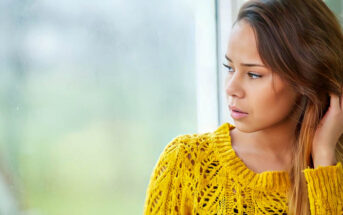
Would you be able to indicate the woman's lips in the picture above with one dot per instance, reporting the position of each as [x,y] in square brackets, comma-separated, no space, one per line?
[231,107]
[237,115]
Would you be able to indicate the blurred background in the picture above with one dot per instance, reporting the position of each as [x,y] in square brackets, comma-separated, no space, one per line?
[92,91]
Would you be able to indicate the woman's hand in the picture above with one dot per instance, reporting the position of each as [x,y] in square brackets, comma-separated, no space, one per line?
[327,134]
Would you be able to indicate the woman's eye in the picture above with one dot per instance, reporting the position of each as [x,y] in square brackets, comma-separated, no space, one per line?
[254,76]
[251,75]
[227,66]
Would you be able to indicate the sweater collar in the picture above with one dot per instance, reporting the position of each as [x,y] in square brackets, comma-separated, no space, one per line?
[278,180]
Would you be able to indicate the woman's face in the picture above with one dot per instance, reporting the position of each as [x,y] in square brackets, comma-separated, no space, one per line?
[250,88]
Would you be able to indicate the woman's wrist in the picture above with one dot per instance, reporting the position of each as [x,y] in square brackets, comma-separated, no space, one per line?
[324,158]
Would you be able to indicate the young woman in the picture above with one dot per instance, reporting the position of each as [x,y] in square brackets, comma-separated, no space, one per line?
[285,92]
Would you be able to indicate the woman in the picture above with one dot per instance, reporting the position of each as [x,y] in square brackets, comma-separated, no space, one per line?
[285,92]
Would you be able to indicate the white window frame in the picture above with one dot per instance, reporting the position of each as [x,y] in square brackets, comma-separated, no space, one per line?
[213,21]
[206,65]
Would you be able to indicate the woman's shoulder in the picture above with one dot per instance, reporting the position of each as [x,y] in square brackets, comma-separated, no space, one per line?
[194,147]
[194,141]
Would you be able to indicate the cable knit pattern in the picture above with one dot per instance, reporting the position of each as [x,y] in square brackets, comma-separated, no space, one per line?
[201,174]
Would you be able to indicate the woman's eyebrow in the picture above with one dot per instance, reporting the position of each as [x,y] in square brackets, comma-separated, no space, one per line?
[245,64]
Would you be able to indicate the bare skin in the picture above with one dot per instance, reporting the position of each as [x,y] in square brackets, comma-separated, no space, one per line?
[256,160]
[264,138]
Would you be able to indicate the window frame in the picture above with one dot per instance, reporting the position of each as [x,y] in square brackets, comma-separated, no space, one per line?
[213,21]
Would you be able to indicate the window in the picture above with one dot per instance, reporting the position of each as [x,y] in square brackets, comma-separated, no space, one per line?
[91,93]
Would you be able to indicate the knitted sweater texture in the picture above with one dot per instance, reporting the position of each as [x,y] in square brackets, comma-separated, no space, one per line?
[202,174]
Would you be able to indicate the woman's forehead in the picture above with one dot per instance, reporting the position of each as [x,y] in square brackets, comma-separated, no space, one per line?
[242,44]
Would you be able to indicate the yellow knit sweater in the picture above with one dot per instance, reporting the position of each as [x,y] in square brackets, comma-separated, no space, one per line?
[201,174]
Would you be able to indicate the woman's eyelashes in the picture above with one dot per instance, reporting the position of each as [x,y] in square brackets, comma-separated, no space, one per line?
[251,75]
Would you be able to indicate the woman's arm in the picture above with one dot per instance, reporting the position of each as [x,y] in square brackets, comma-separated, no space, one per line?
[325,189]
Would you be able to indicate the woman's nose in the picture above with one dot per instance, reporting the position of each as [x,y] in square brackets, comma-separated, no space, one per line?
[233,85]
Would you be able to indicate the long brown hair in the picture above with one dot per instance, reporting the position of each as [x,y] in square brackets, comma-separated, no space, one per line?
[302,42]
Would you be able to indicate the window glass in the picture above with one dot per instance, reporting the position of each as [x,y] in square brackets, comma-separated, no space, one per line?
[91,92]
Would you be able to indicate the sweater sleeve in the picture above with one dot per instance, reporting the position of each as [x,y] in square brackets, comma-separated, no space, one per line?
[167,191]
[325,189]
